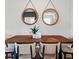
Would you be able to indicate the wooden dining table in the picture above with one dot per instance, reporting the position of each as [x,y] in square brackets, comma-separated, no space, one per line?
[25,39]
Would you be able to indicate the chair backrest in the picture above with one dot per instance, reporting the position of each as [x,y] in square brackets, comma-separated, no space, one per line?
[50,49]
[66,48]
[9,48]
[27,49]
[12,48]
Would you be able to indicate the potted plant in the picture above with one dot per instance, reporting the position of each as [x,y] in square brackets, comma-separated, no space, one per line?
[34,31]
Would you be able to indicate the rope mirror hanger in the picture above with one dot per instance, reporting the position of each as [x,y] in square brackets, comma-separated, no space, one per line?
[29,15]
[50,16]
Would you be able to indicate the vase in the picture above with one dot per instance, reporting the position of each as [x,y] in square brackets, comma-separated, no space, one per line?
[37,35]
[34,36]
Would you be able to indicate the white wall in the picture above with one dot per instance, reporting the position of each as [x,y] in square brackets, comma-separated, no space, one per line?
[15,26]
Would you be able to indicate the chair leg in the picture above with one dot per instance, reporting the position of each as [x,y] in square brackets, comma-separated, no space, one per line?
[12,55]
[60,52]
[64,55]
[43,51]
[56,53]
[31,52]
[17,52]
[72,56]
[6,56]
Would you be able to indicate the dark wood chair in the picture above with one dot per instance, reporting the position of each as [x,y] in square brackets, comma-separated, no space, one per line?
[28,54]
[9,53]
[53,53]
[67,52]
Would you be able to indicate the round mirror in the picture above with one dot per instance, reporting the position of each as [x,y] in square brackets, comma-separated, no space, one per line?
[50,16]
[29,16]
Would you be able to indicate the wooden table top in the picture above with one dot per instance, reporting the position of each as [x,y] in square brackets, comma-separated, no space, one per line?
[24,39]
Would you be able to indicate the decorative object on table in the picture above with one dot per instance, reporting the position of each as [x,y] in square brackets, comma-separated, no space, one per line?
[30,15]
[35,32]
[50,15]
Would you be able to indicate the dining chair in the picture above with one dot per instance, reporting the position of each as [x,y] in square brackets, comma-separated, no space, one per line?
[51,51]
[27,51]
[11,51]
[8,50]
[67,51]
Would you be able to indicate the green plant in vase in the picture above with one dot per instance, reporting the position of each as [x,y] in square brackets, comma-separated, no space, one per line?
[34,31]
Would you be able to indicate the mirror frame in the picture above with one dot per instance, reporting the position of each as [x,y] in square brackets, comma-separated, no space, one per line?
[36,18]
[56,19]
